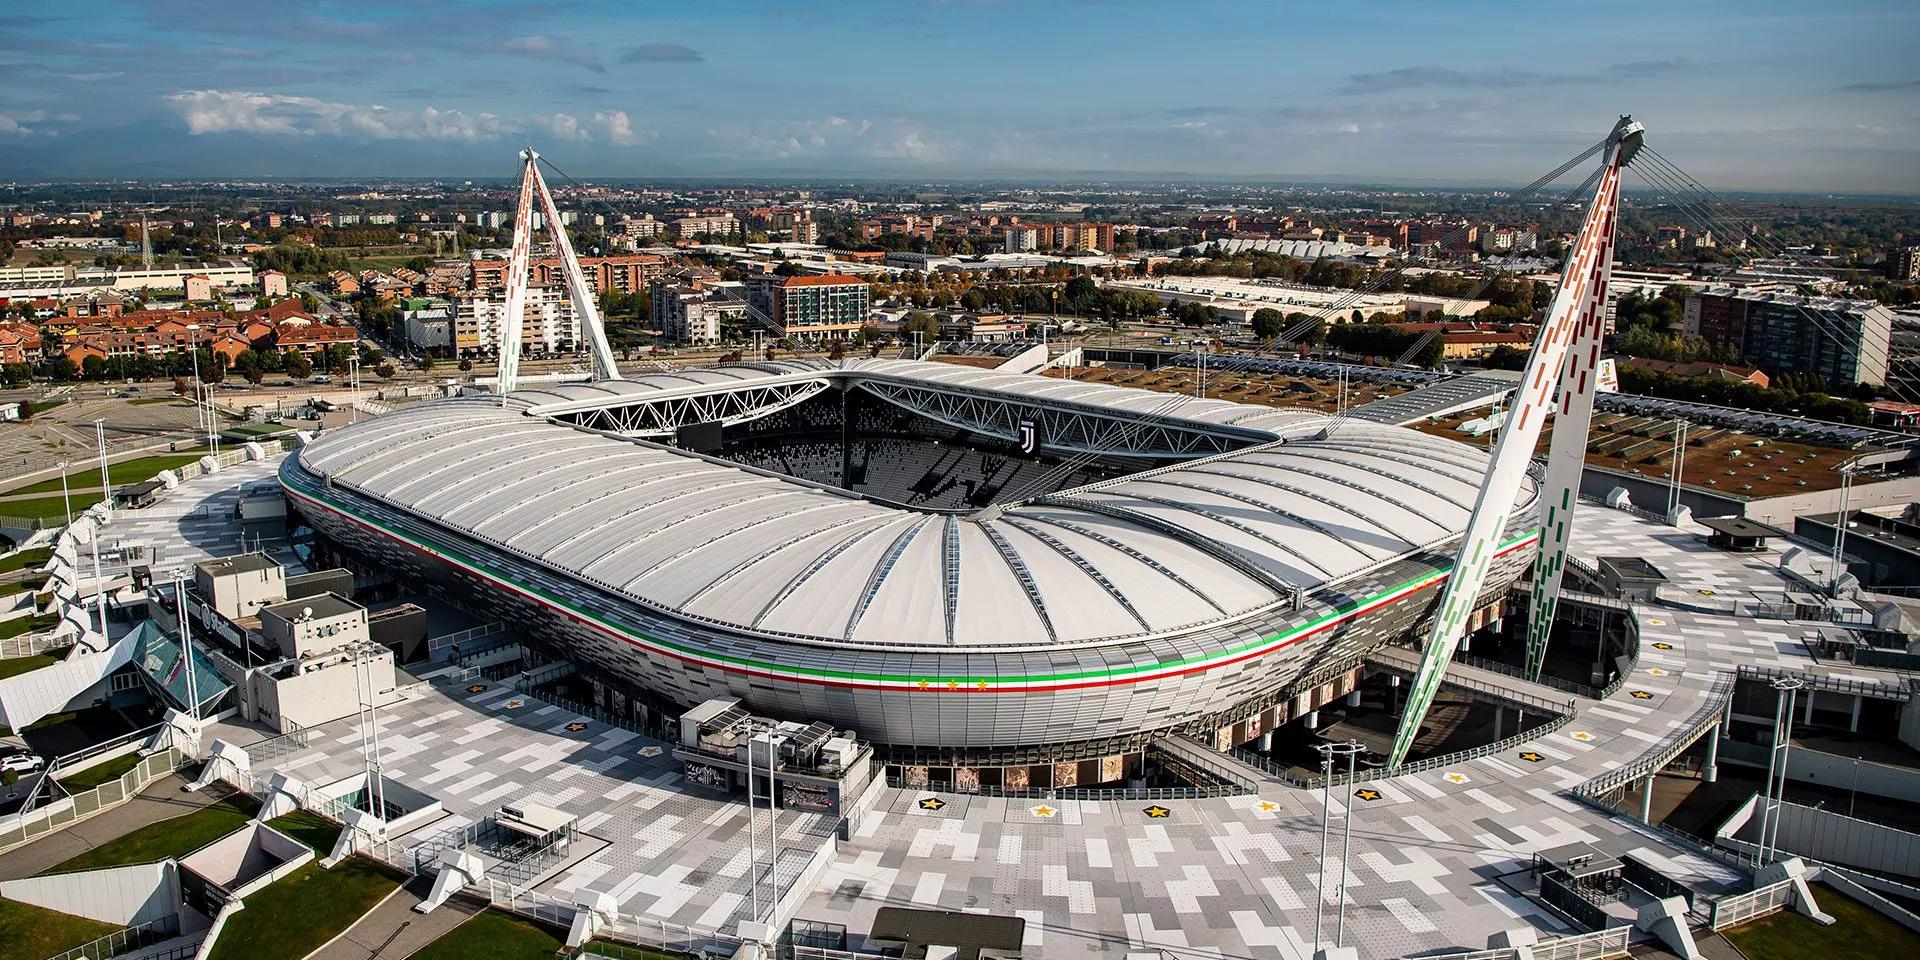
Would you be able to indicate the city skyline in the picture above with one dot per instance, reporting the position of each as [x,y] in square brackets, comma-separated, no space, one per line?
[948,90]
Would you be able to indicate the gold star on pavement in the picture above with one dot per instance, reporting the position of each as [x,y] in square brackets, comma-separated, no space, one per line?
[1662,645]
[1656,621]
[1367,794]
[577,726]
[932,803]
[1582,736]
[1452,777]
[1268,806]
[1656,671]
[515,704]
[650,751]
[1042,811]
[1531,757]
[1157,812]
[477,688]
[1641,695]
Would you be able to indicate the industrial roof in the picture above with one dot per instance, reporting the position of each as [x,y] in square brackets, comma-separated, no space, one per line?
[1160,552]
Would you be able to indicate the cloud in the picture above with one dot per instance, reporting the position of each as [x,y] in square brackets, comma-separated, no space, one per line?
[21,124]
[540,47]
[563,127]
[1887,86]
[661,53]
[620,130]
[239,111]
[1428,76]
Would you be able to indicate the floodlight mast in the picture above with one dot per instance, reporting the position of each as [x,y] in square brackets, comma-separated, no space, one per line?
[1572,326]
[586,310]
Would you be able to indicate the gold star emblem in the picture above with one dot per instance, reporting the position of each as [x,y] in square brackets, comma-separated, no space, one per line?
[1641,695]
[983,685]
[1706,593]
[1656,671]
[1582,736]
[1656,621]
[1662,645]
[1157,812]
[932,803]
[477,688]
[577,726]
[1367,794]
[923,685]
[1043,811]
[1268,806]
[515,704]
[650,751]
[1452,777]
[953,684]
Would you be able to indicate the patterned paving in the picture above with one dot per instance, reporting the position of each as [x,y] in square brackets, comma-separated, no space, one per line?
[1224,877]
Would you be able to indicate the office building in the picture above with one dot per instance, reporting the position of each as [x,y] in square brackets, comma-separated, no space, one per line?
[689,314]
[829,305]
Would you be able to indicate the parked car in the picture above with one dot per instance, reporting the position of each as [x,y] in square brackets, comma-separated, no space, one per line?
[323,378]
[22,763]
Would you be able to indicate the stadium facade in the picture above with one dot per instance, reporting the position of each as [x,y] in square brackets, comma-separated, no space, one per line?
[998,579]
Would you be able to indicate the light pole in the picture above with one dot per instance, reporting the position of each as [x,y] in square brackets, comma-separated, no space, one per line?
[1350,750]
[100,443]
[1785,693]
[193,355]
[64,494]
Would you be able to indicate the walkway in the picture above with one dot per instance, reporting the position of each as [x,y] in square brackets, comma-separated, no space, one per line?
[1514,690]
[1440,398]
[163,799]
[392,929]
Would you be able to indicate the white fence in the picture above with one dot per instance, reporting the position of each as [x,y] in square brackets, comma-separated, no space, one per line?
[47,819]
[1598,945]
[1739,908]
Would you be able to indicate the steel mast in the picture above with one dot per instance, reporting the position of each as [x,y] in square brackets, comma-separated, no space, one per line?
[1572,326]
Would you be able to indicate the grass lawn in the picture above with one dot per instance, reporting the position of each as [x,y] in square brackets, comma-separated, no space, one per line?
[294,915]
[176,837]
[100,773]
[15,666]
[309,828]
[258,430]
[28,932]
[149,401]
[124,472]
[48,508]
[23,625]
[621,951]
[25,559]
[492,935]
[1858,932]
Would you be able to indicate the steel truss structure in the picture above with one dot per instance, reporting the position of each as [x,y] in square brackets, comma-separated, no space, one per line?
[1061,430]
[1579,304]
[662,417]
[586,309]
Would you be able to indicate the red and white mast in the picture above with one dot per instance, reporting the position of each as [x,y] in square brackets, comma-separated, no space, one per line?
[586,309]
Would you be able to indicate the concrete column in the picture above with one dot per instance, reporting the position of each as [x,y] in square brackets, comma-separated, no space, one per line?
[1806,714]
[1853,722]
[1710,771]
[1393,680]
[1466,643]
[1499,720]
[1353,700]
[1646,799]
[1311,718]
[1266,741]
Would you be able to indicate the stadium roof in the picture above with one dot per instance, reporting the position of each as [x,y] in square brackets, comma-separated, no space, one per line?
[1160,552]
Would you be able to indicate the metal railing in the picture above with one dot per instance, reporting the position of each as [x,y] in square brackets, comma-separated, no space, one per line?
[1078,793]
[1676,742]
[465,636]
[1827,682]
[1739,908]
[294,740]
[1495,666]
[128,939]
[79,806]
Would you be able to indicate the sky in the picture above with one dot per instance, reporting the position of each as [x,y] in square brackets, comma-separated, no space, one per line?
[1753,94]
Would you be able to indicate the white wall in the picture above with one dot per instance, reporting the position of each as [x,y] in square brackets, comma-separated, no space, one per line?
[119,895]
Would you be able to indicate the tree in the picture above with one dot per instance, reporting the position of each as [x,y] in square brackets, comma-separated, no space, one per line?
[1268,323]
[297,365]
[466,364]
[94,368]
[384,371]
[920,322]
[426,362]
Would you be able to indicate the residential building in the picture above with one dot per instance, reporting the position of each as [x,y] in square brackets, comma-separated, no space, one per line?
[621,273]
[343,283]
[1700,368]
[197,287]
[689,228]
[1903,263]
[825,306]
[1022,238]
[547,325]
[1845,341]
[688,314]
[20,343]
[273,283]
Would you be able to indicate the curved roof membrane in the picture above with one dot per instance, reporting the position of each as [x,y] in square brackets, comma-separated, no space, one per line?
[1164,551]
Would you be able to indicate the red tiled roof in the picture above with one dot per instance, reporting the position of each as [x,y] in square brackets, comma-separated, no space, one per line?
[821,280]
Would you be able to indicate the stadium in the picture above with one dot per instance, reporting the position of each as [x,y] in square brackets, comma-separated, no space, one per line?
[998,579]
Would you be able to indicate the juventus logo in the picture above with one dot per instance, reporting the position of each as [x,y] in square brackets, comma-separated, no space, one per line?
[1029,437]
